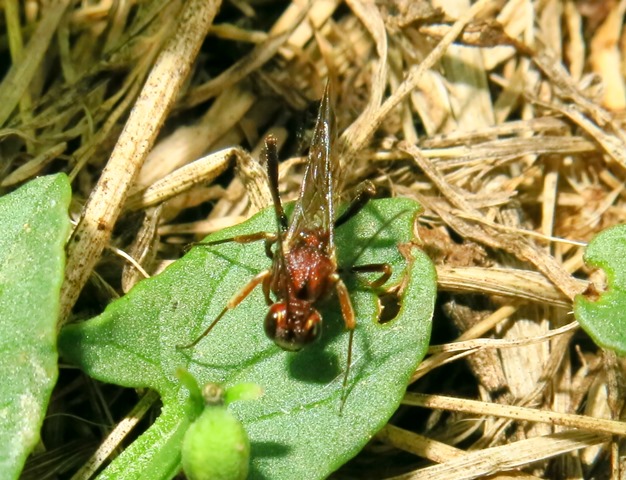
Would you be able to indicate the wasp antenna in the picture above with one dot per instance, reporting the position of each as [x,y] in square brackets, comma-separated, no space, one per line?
[271,155]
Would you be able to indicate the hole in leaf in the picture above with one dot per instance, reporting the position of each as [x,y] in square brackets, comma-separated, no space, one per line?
[388,306]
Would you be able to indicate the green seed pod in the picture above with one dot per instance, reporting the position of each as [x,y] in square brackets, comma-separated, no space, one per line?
[216,447]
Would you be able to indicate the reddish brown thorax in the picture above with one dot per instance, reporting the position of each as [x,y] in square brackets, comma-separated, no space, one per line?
[310,266]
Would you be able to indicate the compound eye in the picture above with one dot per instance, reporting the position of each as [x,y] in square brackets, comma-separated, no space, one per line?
[313,328]
[307,331]
[275,320]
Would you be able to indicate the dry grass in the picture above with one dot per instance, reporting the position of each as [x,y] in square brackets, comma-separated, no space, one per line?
[502,119]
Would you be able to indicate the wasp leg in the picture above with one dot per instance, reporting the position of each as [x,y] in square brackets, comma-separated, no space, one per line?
[383,268]
[347,311]
[232,303]
[269,238]
[366,193]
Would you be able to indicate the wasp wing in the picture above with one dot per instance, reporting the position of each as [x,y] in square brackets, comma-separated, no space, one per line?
[315,208]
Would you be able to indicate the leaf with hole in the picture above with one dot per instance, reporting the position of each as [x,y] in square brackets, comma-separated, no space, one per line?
[604,318]
[295,429]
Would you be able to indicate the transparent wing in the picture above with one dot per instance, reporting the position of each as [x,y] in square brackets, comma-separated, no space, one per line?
[315,208]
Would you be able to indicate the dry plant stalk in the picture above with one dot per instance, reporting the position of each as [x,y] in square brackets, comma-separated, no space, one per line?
[107,199]
[490,114]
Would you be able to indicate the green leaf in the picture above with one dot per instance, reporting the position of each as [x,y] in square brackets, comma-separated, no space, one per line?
[604,318]
[156,454]
[296,429]
[34,227]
